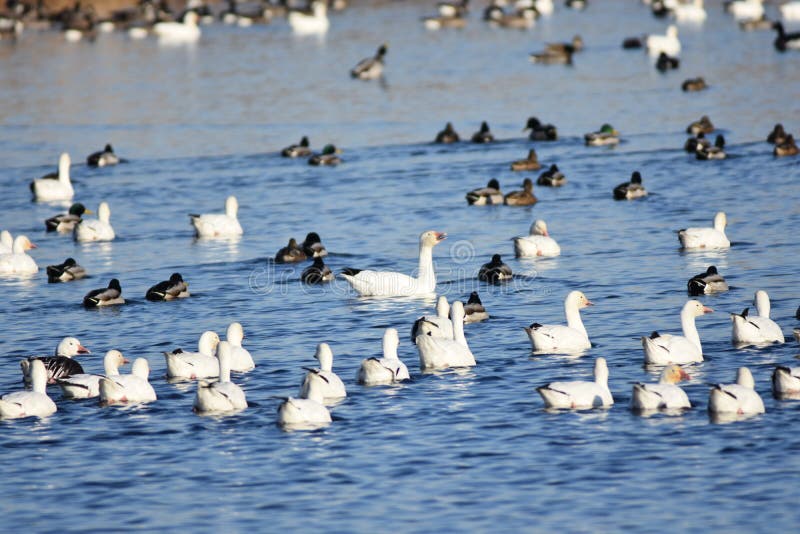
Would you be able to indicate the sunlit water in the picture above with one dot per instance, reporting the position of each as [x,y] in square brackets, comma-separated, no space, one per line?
[467,450]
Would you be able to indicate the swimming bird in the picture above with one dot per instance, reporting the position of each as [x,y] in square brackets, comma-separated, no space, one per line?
[662,349]
[483,196]
[703,125]
[222,395]
[530,163]
[386,370]
[483,135]
[33,403]
[665,395]
[665,62]
[749,25]
[668,43]
[175,32]
[174,288]
[790,11]
[65,222]
[309,412]
[103,158]
[691,11]
[787,148]
[607,135]
[575,45]
[107,296]
[699,142]
[739,398]
[438,325]
[552,177]
[99,229]
[560,339]
[317,273]
[539,131]
[372,67]
[311,21]
[87,386]
[709,238]
[61,364]
[521,198]
[778,135]
[440,353]
[241,359]
[200,364]
[756,329]
[218,224]
[694,84]
[17,261]
[300,150]
[448,135]
[521,19]
[707,283]
[65,272]
[54,186]
[786,382]
[495,271]
[332,386]
[126,389]
[537,243]
[313,247]
[6,242]
[579,394]
[328,157]
[474,311]
[439,22]
[716,151]
[746,9]
[552,57]
[632,189]
[631,43]
[453,9]
[291,253]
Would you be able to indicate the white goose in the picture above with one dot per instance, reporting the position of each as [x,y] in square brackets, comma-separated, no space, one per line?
[668,43]
[331,385]
[786,382]
[87,386]
[218,224]
[438,325]
[308,412]
[200,364]
[17,261]
[692,238]
[386,370]
[693,11]
[579,394]
[663,349]
[6,242]
[132,388]
[538,243]
[315,21]
[178,32]
[99,229]
[241,360]
[666,395]
[790,11]
[756,329]
[740,398]
[222,395]
[34,403]
[390,284]
[440,353]
[559,339]
[54,187]
[746,9]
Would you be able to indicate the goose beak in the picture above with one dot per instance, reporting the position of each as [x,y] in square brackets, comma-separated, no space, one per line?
[440,236]
[546,233]
[589,302]
[83,350]
[32,245]
[684,375]
[706,309]
[125,360]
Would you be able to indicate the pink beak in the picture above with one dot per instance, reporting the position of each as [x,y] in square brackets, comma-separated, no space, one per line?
[83,350]
[589,302]
[33,245]
[125,360]
[441,236]
[685,375]
[707,309]
[546,233]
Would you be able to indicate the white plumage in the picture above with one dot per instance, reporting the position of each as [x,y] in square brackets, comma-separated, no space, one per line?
[222,395]
[309,412]
[665,395]
[87,386]
[538,243]
[33,403]
[132,388]
[386,370]
[99,229]
[54,188]
[241,360]
[559,339]
[310,23]
[668,43]
[740,398]
[663,349]
[440,353]
[330,384]
[178,32]
[710,238]
[756,329]
[219,224]
[786,382]
[200,364]
[17,261]
[438,325]
[579,394]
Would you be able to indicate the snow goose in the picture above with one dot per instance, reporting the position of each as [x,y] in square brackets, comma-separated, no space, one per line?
[65,222]
[103,157]
[221,395]
[483,135]
[756,329]
[174,288]
[65,272]
[6,242]
[495,271]
[87,386]
[313,21]
[474,311]
[291,253]
[303,413]
[632,189]
[59,365]
[539,131]
[218,224]
[790,11]
[241,360]
[740,398]
[521,198]
[438,325]
[440,353]
[317,273]
[692,11]
[665,395]
[54,186]
[200,364]
[746,9]
[99,229]
[538,243]
[178,32]
[300,150]
[662,349]
[132,388]
[372,67]
[786,382]
[579,395]
[391,284]
[448,135]
[707,283]
[530,163]
[17,261]
[313,247]
[668,43]
[560,339]
[331,385]
[34,403]
[486,195]
[386,370]
[606,135]
[712,238]
[105,296]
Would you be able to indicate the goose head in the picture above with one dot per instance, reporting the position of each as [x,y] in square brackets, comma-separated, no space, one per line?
[672,374]
[694,308]
[577,300]
[391,340]
[431,238]
[235,334]
[38,376]
[539,227]
[761,302]
[442,307]
[112,362]
[69,347]
[104,212]
[21,244]
[208,343]
[63,167]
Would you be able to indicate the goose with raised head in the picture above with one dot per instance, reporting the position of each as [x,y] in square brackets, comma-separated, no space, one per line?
[221,395]
[33,403]
[438,325]
[538,243]
[105,296]
[311,21]
[663,349]
[126,389]
[440,353]
[176,32]
[709,238]
[191,365]
[386,370]
[6,242]
[241,359]
[65,272]
[579,394]
[332,386]
[484,196]
[17,261]
[87,386]
[740,398]
[665,395]
[54,186]
[61,364]
[99,229]
[692,11]
[65,222]
[744,10]
[707,283]
[560,339]
[756,329]
[218,224]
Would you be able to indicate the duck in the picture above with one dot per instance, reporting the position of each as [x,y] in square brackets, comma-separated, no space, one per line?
[665,395]
[552,177]
[746,9]
[474,311]
[308,412]
[386,370]
[192,365]
[328,157]
[77,24]
[99,229]
[663,349]
[103,157]
[17,261]
[453,9]
[537,244]
[668,43]
[539,131]
[521,19]
[332,387]
[560,339]
[33,403]
[483,135]
[370,68]
[703,125]
[126,389]
[692,11]
[300,150]
[495,271]
[106,296]
[530,163]
[313,247]
[579,394]
[758,328]
[439,22]
[368,283]
[552,57]
[707,283]
[218,224]
[241,359]
[778,135]
[665,62]
[740,398]
[716,151]
[291,253]
[699,142]
[762,23]
[54,186]
[441,353]
[87,386]
[787,148]
[575,45]
[174,288]
[607,135]
[632,189]
[6,242]
[448,135]
[575,4]
[691,85]
[786,382]
[438,325]
[222,395]
[175,32]
[521,198]
[65,272]
[708,238]
[632,43]
[65,222]
[317,273]
[485,196]
[61,364]
[311,21]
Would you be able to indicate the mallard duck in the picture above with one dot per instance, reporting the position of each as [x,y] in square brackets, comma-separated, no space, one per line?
[103,158]
[495,271]
[521,198]
[106,296]
[665,62]
[539,131]
[632,43]
[552,177]
[607,135]
[576,45]
[787,148]
[300,150]
[313,247]
[448,135]
[784,40]
[328,156]
[694,84]
[291,253]
[712,152]
[694,143]
[761,23]
[65,272]
[372,67]
[436,23]
[483,135]
[474,311]
[486,195]
[552,57]
[317,273]
[521,19]
[777,135]
[706,283]
[632,189]
[174,288]
[531,163]
[703,125]
[65,222]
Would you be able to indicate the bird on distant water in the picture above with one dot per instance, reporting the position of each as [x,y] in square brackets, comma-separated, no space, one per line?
[785,41]
[495,271]
[106,296]
[552,177]
[372,67]
[300,150]
[539,131]
[65,272]
[632,189]
[706,283]
[174,288]
[483,196]
[521,198]
[484,135]
[103,157]
[448,135]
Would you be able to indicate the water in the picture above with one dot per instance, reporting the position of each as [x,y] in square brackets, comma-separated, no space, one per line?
[466,450]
